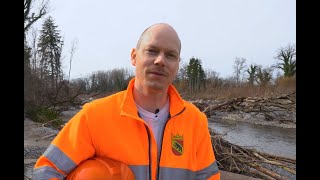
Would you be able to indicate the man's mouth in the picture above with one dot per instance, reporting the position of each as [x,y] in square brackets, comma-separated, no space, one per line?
[158,73]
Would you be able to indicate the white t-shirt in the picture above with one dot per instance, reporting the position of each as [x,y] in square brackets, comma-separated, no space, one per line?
[156,122]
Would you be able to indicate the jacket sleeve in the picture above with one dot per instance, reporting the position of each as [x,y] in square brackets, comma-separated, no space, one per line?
[72,145]
[206,161]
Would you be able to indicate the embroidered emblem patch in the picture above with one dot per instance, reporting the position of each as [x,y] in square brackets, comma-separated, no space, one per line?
[177,144]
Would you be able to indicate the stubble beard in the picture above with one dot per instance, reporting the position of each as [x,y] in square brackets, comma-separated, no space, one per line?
[156,85]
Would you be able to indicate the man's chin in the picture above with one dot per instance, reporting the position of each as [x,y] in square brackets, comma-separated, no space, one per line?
[157,86]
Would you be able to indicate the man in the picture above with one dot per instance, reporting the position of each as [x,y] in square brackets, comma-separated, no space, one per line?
[149,127]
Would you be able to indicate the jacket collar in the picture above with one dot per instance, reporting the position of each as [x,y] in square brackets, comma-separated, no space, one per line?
[128,105]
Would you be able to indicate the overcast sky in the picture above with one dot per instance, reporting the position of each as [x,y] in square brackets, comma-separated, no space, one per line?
[215,31]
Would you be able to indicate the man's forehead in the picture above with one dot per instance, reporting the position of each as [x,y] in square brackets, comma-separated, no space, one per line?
[161,38]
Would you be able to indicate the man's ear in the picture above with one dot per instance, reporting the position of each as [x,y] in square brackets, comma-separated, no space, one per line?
[133,56]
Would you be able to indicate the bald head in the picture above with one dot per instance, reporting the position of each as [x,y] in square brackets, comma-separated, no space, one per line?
[159,27]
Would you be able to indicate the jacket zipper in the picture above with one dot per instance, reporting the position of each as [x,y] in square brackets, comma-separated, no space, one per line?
[164,129]
[148,132]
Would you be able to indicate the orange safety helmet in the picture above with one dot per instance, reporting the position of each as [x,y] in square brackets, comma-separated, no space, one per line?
[100,168]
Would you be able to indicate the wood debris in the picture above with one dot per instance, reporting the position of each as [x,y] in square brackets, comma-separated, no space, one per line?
[246,161]
[279,108]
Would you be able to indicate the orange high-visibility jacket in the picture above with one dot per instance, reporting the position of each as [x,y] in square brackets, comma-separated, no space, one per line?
[111,127]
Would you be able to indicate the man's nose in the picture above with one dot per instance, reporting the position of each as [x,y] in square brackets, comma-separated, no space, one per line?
[160,60]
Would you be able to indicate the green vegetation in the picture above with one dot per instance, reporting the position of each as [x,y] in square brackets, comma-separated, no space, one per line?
[46,116]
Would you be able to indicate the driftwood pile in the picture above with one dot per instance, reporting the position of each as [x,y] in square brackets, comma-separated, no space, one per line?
[236,159]
[247,161]
[279,108]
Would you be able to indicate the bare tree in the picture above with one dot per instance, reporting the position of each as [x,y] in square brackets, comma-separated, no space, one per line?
[32,17]
[80,83]
[181,80]
[182,73]
[239,67]
[119,78]
[34,46]
[73,48]
[287,60]
[213,79]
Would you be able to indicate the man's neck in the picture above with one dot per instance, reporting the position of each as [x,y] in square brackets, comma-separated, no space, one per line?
[150,101]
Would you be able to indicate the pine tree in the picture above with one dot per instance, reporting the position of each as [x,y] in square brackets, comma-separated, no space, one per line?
[252,72]
[196,75]
[264,75]
[50,48]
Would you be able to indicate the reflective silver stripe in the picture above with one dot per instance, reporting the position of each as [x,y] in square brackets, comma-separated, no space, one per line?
[45,173]
[176,173]
[57,157]
[208,171]
[185,174]
[140,172]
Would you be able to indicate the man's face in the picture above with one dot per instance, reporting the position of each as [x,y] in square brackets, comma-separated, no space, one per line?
[157,59]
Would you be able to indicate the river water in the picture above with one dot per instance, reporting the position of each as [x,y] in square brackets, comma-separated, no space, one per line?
[267,139]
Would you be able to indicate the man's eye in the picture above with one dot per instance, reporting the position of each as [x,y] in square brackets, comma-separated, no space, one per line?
[151,51]
[171,55]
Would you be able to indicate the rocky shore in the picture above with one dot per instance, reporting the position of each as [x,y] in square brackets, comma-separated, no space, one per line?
[36,140]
